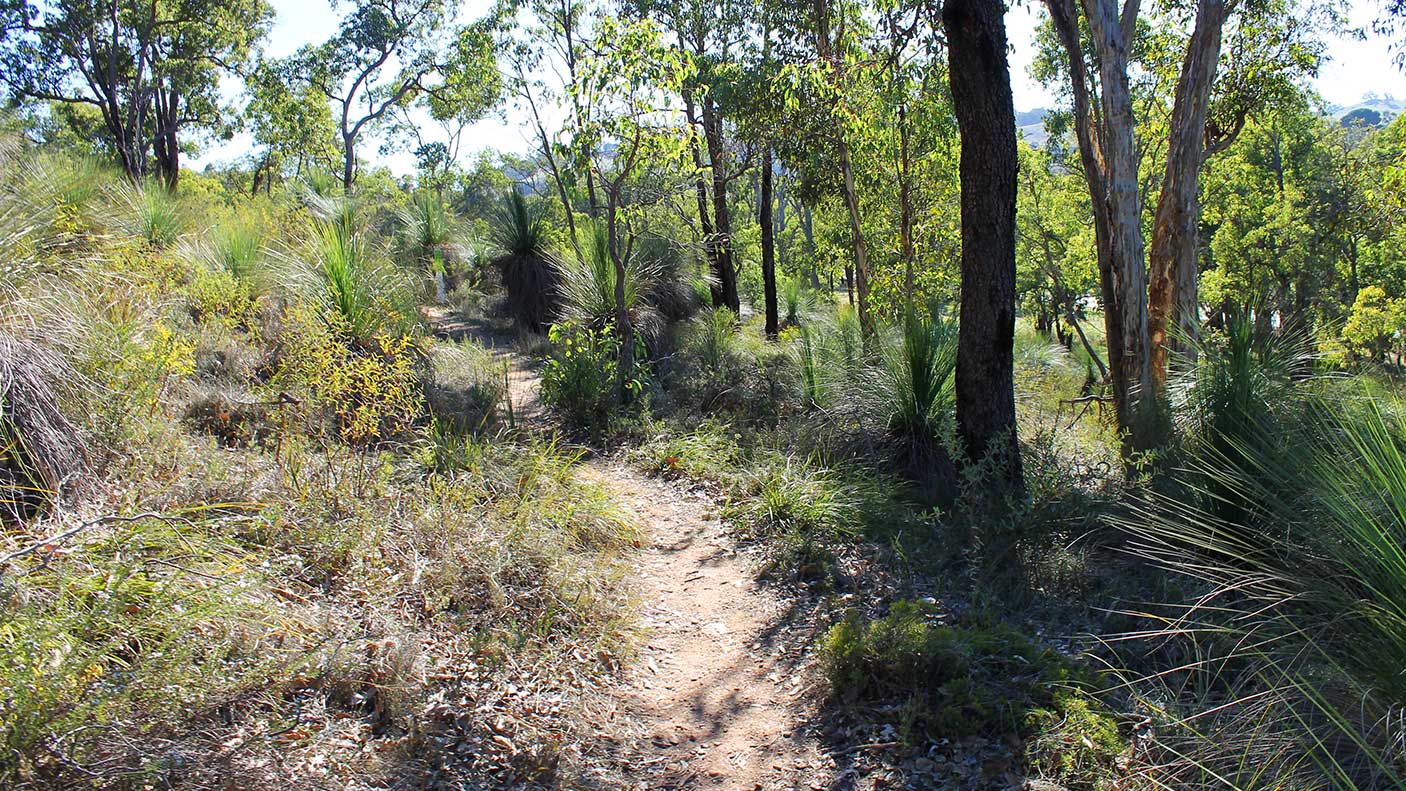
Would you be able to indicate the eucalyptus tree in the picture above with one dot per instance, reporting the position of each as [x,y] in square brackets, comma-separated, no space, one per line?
[151,69]
[715,36]
[385,53]
[981,96]
[463,88]
[1271,43]
[290,121]
[633,130]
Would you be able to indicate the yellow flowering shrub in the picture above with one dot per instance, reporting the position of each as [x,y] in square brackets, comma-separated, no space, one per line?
[367,392]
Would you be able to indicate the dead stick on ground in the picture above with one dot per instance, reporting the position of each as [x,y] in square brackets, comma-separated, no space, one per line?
[67,534]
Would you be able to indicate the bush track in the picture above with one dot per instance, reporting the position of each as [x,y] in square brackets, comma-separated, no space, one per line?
[719,695]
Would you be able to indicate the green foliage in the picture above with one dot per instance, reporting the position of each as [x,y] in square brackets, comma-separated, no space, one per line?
[357,291]
[796,497]
[960,681]
[134,628]
[588,285]
[466,386]
[1375,326]
[364,393]
[153,214]
[580,380]
[238,247]
[1297,548]
[796,300]
[917,390]
[1241,394]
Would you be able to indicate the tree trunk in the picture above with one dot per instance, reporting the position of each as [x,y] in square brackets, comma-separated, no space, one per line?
[808,228]
[981,97]
[624,329]
[861,256]
[165,144]
[773,323]
[348,161]
[722,218]
[705,222]
[1109,158]
[1171,297]
[905,201]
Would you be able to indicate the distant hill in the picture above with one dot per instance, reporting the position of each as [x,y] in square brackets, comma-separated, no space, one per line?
[1373,110]
[1031,125]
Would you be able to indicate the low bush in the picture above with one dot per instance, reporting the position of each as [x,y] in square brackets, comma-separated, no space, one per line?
[580,379]
[466,385]
[362,394]
[961,681]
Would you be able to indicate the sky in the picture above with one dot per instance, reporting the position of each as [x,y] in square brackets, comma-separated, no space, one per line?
[1354,66]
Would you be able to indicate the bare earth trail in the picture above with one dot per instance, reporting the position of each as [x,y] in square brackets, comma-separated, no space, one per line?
[719,696]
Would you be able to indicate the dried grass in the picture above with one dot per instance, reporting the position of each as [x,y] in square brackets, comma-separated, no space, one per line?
[43,455]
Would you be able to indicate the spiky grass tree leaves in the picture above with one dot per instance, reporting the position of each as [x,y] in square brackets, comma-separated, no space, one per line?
[531,273]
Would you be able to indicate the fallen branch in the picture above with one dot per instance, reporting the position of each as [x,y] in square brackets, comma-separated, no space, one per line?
[67,534]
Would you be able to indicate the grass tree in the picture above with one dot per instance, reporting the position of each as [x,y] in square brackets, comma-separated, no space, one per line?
[630,132]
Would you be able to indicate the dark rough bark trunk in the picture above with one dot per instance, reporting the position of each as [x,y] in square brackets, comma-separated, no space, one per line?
[773,323]
[1171,299]
[981,97]
[166,146]
[348,162]
[722,215]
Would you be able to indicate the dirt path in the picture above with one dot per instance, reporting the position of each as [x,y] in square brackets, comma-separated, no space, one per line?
[718,698]
[524,380]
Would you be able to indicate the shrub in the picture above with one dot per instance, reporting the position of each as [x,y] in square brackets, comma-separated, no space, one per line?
[427,238]
[588,286]
[1296,552]
[42,453]
[365,392]
[152,213]
[796,497]
[580,379]
[356,290]
[797,301]
[237,247]
[916,388]
[959,681]
[466,385]
[235,418]
[216,294]
[114,643]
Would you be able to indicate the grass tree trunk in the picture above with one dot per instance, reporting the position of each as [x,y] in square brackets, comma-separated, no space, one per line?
[1171,299]
[773,322]
[981,97]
